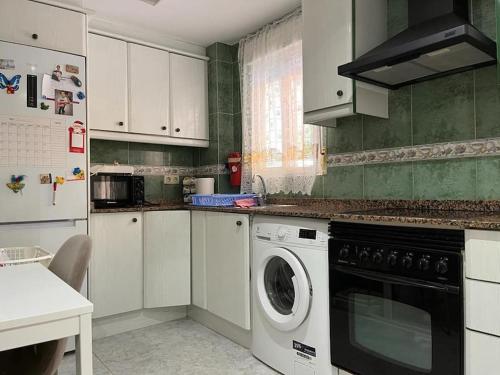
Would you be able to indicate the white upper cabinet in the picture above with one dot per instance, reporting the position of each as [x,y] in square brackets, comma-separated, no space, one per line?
[148,90]
[188,98]
[107,87]
[139,93]
[40,25]
[330,39]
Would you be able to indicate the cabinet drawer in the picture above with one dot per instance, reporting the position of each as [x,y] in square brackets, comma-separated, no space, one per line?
[481,354]
[482,301]
[55,28]
[482,255]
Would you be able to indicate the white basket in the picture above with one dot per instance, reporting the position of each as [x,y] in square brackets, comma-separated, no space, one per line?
[14,256]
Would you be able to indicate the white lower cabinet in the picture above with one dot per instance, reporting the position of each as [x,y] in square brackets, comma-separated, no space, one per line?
[139,260]
[198,262]
[482,302]
[167,259]
[116,276]
[221,265]
[482,353]
[479,295]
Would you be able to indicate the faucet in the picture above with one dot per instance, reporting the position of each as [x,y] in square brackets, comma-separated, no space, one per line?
[263,197]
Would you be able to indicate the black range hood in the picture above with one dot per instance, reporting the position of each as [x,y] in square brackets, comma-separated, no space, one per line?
[439,41]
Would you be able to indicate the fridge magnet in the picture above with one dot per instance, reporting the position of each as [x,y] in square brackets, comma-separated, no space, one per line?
[59,181]
[16,184]
[57,74]
[49,87]
[31,91]
[64,103]
[72,69]
[77,137]
[77,174]
[76,81]
[7,64]
[45,178]
[11,85]
[44,106]
[80,95]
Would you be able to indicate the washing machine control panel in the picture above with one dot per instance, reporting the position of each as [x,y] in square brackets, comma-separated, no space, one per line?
[291,234]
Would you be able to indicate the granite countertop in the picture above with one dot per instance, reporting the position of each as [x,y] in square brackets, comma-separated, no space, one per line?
[154,207]
[458,219]
[446,214]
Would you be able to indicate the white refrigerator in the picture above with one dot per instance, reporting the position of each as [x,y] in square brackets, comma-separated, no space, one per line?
[43,140]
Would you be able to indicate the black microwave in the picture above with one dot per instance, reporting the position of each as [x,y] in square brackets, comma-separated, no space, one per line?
[116,190]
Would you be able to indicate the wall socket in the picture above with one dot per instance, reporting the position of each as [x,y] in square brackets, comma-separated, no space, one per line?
[171,179]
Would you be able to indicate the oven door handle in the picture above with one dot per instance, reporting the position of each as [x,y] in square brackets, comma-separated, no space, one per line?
[398,280]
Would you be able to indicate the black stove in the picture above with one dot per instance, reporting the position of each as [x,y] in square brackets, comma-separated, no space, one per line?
[396,299]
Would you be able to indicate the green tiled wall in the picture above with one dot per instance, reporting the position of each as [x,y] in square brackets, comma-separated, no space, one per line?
[108,152]
[458,107]
[224,111]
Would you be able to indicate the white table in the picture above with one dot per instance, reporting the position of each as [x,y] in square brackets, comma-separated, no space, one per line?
[36,306]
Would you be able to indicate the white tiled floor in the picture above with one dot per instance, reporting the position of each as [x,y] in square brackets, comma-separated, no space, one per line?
[177,348]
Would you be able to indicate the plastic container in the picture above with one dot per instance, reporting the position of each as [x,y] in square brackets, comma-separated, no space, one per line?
[205,186]
[13,256]
[219,200]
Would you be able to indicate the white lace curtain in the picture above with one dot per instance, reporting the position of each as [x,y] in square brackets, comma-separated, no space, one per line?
[276,143]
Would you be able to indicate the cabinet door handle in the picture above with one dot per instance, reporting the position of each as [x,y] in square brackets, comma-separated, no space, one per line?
[134,220]
[163,128]
[177,130]
[34,36]
[239,223]
[121,123]
[340,93]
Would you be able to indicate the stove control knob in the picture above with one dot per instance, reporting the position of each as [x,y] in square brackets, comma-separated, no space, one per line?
[392,259]
[407,261]
[344,252]
[281,234]
[377,258]
[364,255]
[423,264]
[442,266]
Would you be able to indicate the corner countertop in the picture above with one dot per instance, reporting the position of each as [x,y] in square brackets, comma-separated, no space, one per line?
[446,214]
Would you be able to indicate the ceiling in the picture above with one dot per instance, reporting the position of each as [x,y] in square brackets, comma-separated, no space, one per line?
[201,22]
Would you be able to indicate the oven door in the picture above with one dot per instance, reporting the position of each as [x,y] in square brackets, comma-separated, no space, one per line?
[387,325]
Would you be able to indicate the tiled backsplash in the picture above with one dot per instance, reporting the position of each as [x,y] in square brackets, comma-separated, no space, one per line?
[224,111]
[108,152]
[459,107]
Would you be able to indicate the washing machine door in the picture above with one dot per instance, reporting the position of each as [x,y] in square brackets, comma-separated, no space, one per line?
[283,289]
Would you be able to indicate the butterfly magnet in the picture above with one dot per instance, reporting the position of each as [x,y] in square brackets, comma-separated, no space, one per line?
[11,85]
[16,183]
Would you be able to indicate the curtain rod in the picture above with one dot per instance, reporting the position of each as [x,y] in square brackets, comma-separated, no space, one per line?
[285,18]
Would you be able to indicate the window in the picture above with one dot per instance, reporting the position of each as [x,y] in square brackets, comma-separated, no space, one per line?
[276,143]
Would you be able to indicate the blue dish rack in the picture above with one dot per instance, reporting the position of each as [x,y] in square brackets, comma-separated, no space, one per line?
[219,200]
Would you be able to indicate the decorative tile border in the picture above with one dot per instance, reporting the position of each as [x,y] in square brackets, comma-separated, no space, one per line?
[211,169]
[437,151]
[152,170]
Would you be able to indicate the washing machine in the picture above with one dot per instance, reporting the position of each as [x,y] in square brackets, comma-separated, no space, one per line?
[290,300]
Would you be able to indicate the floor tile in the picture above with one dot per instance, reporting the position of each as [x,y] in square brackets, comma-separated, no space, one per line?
[179,347]
[68,366]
